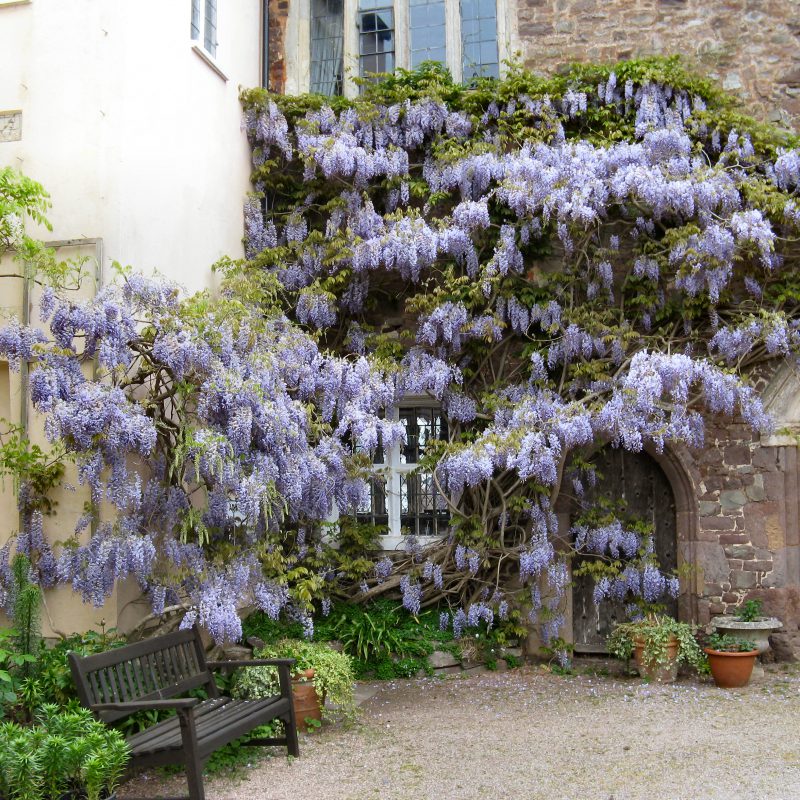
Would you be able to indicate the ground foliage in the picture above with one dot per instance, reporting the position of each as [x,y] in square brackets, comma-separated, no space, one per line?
[597,258]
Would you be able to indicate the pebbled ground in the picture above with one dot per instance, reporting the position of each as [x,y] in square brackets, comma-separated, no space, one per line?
[533,735]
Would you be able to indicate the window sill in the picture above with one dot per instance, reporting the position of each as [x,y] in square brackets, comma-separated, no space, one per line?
[205,56]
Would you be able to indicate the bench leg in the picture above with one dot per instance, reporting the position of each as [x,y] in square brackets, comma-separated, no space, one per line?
[194,777]
[292,745]
[194,764]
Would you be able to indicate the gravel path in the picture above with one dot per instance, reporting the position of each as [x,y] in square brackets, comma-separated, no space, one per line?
[532,735]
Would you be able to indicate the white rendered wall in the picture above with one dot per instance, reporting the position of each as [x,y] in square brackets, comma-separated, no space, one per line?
[135,136]
[138,140]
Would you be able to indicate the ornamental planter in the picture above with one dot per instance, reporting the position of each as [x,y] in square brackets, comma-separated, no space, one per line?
[306,701]
[654,671]
[757,631]
[731,670]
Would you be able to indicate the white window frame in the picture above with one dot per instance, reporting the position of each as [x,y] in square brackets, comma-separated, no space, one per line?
[392,469]
[199,36]
[298,41]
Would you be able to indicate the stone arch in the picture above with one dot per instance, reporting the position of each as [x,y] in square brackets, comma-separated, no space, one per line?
[678,466]
[678,470]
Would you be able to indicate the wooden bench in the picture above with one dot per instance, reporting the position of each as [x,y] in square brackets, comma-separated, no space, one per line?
[153,674]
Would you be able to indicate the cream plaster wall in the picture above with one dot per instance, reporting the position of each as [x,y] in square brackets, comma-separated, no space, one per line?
[135,136]
[138,140]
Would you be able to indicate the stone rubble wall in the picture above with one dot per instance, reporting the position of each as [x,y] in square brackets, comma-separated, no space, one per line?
[747,539]
[751,47]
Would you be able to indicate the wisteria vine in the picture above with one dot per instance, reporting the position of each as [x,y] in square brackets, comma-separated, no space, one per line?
[600,259]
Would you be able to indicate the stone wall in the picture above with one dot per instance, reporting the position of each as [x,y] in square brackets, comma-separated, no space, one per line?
[750,46]
[747,533]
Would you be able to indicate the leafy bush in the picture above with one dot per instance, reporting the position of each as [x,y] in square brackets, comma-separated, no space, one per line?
[67,753]
[750,611]
[333,671]
[656,631]
[48,679]
[725,643]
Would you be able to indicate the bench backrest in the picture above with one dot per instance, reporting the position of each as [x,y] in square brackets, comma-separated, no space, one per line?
[158,668]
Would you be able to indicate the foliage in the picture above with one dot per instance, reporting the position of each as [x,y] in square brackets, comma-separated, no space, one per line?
[333,671]
[750,611]
[12,663]
[725,643]
[67,753]
[21,198]
[599,258]
[26,598]
[48,680]
[657,632]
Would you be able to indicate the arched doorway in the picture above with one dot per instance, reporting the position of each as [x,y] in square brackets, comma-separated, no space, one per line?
[638,481]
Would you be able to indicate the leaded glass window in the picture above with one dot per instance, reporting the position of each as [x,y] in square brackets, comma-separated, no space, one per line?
[376,37]
[204,24]
[479,56]
[401,496]
[327,40]
[428,32]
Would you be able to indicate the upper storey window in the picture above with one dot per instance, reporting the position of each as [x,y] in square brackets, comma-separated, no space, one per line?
[204,24]
[327,46]
[376,37]
[358,38]
[426,22]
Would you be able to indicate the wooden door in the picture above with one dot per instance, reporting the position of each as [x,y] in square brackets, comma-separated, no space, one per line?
[636,479]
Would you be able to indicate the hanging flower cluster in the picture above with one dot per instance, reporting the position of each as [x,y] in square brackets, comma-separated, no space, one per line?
[597,259]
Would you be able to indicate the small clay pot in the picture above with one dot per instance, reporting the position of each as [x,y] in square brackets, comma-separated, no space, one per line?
[660,673]
[731,670]
[306,701]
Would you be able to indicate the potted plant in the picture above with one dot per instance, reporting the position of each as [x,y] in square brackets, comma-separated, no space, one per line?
[730,660]
[749,624]
[323,680]
[659,644]
[69,755]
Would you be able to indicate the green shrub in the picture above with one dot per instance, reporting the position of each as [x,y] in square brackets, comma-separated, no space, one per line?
[66,753]
[333,672]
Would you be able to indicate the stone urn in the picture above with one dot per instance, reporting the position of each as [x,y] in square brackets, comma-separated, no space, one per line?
[757,631]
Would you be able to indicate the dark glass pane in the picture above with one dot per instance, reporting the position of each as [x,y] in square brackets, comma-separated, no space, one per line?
[421,425]
[373,509]
[369,44]
[418,511]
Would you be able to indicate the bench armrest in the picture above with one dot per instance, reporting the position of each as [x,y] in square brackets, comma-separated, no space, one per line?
[252,662]
[147,705]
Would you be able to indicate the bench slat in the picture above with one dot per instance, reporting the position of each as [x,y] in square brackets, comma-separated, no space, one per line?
[213,717]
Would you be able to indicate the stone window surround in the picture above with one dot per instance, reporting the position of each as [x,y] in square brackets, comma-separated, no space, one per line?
[298,41]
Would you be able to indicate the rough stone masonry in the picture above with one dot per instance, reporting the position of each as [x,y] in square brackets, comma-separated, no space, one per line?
[752,47]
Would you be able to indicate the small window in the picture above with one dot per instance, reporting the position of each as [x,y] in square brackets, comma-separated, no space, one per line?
[479,39]
[204,24]
[376,37]
[428,36]
[327,40]
[401,496]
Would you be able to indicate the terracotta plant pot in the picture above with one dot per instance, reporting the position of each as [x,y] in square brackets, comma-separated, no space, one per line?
[731,670]
[660,673]
[306,701]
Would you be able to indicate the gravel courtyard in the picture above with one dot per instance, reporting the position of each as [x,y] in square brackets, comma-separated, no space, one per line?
[530,734]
